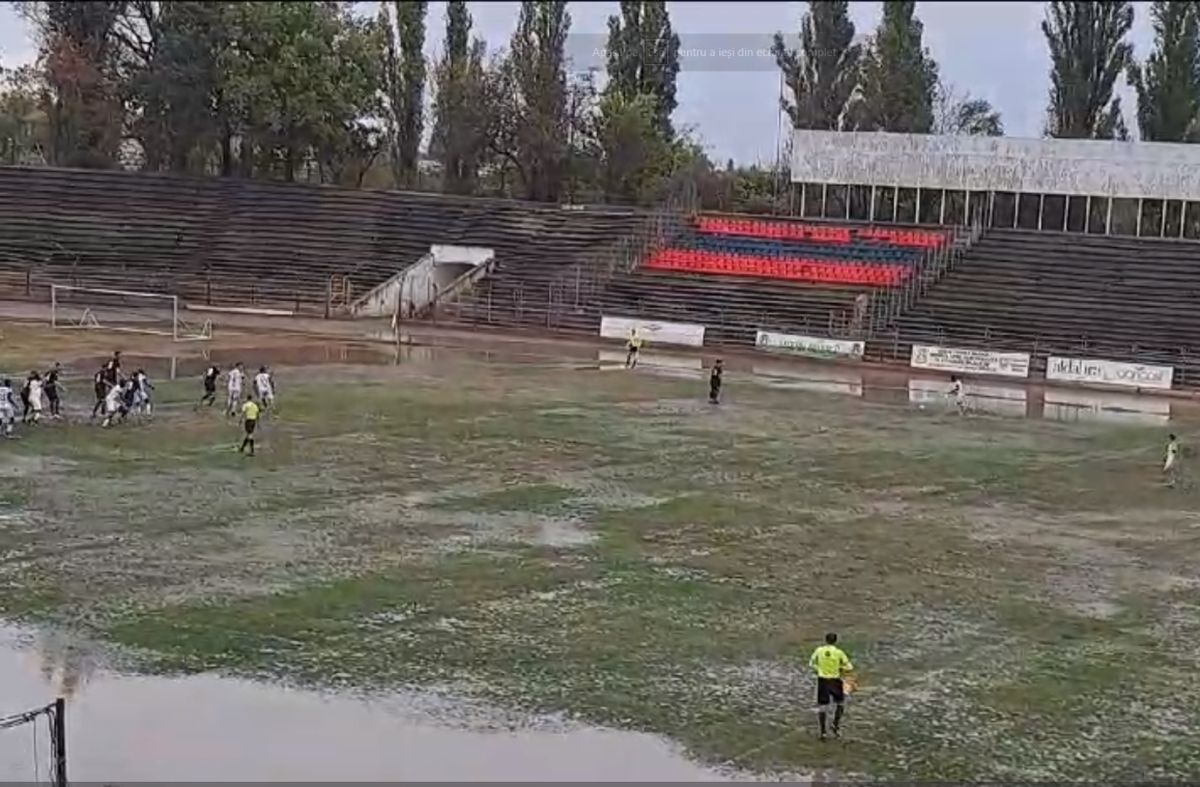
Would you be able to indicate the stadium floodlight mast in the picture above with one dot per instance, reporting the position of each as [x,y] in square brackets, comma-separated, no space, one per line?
[131,311]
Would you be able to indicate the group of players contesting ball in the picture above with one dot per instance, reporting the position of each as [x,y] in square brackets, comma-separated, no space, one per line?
[118,397]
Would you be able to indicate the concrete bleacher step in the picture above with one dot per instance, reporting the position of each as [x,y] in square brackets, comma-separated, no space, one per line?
[231,241]
[1040,291]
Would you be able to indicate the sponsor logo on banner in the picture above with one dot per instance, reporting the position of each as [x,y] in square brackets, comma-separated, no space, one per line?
[653,331]
[959,359]
[1095,370]
[810,346]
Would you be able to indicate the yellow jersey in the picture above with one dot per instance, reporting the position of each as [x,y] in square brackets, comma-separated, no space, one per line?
[830,661]
[250,411]
[635,342]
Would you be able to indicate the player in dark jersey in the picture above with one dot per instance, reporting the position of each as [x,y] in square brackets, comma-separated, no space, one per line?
[714,382]
[54,389]
[210,386]
[112,369]
[100,387]
[25,408]
[128,397]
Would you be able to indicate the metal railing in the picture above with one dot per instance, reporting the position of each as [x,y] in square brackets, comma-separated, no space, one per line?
[895,346]
[888,303]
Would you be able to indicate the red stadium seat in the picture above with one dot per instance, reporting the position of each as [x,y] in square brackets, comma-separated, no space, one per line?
[795,269]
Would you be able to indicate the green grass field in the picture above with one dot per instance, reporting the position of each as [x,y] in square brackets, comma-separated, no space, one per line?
[1020,597]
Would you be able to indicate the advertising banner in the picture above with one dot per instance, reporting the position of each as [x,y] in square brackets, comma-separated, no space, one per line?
[653,331]
[1100,372]
[959,359]
[808,346]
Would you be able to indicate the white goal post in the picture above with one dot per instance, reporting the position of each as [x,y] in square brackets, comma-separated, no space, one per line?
[122,310]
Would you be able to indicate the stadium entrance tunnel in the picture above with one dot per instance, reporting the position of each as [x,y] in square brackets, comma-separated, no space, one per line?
[439,275]
[123,728]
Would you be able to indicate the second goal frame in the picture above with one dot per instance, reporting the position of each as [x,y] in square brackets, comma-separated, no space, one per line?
[91,311]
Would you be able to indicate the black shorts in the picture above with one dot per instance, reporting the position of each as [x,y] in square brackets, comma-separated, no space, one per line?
[249,425]
[830,690]
[101,391]
[210,388]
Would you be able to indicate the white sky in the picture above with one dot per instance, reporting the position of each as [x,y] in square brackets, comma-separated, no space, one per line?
[993,49]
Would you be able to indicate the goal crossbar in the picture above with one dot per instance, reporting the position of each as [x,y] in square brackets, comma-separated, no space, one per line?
[131,311]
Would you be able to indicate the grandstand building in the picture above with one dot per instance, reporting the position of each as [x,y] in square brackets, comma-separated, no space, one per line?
[1098,187]
[1015,257]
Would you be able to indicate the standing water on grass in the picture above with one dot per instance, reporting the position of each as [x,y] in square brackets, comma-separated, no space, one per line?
[209,728]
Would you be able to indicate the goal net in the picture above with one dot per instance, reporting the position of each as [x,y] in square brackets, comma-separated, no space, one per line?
[122,310]
[47,731]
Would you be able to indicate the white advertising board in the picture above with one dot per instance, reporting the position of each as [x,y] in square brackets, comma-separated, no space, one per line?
[653,331]
[1101,372]
[959,359]
[809,346]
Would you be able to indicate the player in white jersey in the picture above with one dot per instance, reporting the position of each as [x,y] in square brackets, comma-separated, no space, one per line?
[141,393]
[233,384]
[1171,465]
[8,408]
[264,386]
[114,404]
[35,397]
[959,394]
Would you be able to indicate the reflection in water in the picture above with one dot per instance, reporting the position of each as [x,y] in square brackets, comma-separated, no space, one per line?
[1068,404]
[208,728]
[65,665]
[981,398]
[689,367]
[830,379]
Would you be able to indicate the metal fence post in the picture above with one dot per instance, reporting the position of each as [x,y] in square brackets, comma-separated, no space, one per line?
[60,742]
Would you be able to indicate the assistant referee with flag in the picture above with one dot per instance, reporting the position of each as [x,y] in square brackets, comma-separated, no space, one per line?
[831,664]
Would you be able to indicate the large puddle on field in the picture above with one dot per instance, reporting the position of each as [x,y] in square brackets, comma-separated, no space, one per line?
[315,353]
[927,394]
[884,386]
[125,728]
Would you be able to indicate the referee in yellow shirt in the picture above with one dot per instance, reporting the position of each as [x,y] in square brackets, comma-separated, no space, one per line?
[250,413]
[830,663]
[631,349]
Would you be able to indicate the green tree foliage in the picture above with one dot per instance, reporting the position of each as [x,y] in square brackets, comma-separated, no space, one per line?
[643,59]
[537,120]
[1168,86]
[1088,52]
[24,127]
[631,152]
[958,113]
[174,84]
[79,56]
[822,75]
[404,84]
[300,80]
[459,126]
[899,77]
